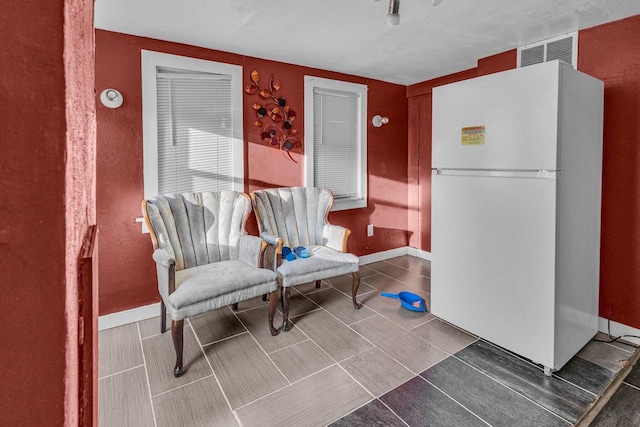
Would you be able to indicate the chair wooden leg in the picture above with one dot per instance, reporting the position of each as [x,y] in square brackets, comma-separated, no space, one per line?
[264,297]
[273,303]
[234,306]
[318,284]
[354,289]
[286,296]
[176,334]
[163,317]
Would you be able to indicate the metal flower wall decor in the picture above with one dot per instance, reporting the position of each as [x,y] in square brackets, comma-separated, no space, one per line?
[281,132]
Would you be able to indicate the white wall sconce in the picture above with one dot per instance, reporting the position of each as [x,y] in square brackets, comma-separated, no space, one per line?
[111,98]
[378,121]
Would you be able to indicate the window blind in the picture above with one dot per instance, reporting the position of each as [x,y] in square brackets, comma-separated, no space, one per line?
[195,131]
[335,142]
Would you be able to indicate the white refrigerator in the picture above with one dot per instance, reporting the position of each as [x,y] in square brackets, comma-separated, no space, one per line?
[516,202]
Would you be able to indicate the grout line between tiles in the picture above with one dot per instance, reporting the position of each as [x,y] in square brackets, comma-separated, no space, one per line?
[401,267]
[350,412]
[411,287]
[357,382]
[573,384]
[517,356]
[409,331]
[394,412]
[157,335]
[314,290]
[146,375]
[387,354]
[285,387]
[422,324]
[365,338]
[264,351]
[289,346]
[348,295]
[451,397]
[354,355]
[266,304]
[631,385]
[607,393]
[514,391]
[124,370]
[316,344]
[235,415]
[181,386]
[380,314]
[322,308]
[619,348]
[221,339]
[305,313]
[417,276]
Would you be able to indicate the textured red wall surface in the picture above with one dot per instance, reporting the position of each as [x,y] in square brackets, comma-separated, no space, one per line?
[32,230]
[127,272]
[611,53]
[82,368]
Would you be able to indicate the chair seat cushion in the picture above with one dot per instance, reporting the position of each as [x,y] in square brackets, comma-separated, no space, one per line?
[210,286]
[323,262]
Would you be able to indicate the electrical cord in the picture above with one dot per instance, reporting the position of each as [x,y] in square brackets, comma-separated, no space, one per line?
[616,339]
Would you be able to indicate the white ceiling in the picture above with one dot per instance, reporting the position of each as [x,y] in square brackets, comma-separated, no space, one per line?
[351,36]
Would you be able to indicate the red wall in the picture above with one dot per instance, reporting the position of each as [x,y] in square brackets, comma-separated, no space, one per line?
[127,272]
[32,235]
[46,176]
[611,53]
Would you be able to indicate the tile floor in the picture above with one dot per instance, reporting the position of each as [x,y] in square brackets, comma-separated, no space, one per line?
[381,365]
[622,407]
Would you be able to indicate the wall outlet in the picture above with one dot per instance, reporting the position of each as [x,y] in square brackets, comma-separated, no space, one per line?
[369,230]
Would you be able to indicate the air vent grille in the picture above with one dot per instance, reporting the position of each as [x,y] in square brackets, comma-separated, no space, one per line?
[533,55]
[563,48]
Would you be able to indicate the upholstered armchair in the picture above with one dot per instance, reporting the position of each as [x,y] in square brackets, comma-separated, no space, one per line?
[204,258]
[293,217]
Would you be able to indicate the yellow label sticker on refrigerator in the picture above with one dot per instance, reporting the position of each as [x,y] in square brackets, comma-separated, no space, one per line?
[473,135]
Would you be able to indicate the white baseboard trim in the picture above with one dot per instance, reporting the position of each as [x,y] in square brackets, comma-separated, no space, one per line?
[120,318]
[381,256]
[618,329]
[137,314]
[419,253]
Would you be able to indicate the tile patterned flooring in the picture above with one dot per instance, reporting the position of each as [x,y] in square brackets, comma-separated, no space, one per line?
[622,407]
[378,366]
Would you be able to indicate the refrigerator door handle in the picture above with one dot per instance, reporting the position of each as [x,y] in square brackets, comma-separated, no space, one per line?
[534,173]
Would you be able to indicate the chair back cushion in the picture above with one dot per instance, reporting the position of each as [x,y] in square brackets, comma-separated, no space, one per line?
[199,228]
[296,214]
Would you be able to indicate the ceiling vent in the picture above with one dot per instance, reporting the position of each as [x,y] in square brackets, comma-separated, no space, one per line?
[564,48]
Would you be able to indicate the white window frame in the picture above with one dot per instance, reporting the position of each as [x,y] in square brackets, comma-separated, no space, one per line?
[150,62]
[310,83]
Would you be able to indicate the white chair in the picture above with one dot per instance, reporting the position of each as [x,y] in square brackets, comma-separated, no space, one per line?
[204,258]
[295,217]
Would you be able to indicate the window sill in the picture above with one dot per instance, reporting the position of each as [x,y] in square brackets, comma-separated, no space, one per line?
[345,204]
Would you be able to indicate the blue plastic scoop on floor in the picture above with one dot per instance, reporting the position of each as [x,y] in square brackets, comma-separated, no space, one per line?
[409,300]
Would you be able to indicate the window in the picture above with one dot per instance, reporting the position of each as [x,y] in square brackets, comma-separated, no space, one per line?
[336,140]
[192,125]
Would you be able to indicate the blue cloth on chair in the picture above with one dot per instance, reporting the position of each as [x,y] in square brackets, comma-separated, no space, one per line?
[288,254]
[301,251]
